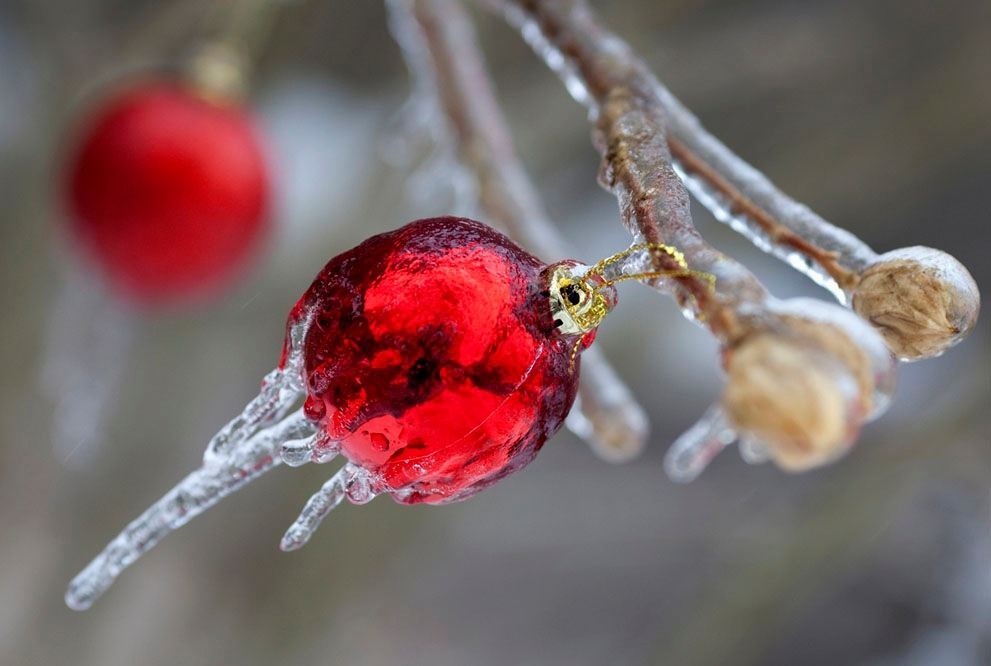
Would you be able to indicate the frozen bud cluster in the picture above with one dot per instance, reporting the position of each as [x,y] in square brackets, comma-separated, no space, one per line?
[923,301]
[804,389]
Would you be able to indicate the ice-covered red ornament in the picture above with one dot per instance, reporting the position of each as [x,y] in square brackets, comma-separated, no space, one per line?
[432,359]
[437,359]
[167,191]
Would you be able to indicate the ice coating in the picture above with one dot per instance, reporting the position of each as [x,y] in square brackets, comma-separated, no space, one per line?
[722,209]
[923,301]
[692,451]
[432,360]
[883,365]
[199,491]
[915,324]
[754,185]
[552,57]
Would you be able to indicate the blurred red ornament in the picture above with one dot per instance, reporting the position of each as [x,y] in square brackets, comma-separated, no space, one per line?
[168,192]
[433,361]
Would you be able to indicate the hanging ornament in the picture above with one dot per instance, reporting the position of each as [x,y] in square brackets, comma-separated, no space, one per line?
[167,192]
[437,359]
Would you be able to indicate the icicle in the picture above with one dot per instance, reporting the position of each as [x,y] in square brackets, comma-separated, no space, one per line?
[318,449]
[694,450]
[350,481]
[280,389]
[277,395]
[244,460]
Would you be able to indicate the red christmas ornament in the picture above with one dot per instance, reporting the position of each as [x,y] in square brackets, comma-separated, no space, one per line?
[437,358]
[432,359]
[167,191]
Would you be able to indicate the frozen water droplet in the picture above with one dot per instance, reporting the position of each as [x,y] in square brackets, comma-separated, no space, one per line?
[753,451]
[349,479]
[314,408]
[323,454]
[297,452]
[359,487]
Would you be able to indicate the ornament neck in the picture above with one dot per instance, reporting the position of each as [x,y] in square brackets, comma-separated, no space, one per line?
[581,296]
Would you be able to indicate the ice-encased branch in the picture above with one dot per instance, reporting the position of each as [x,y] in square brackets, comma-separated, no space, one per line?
[442,53]
[921,300]
[801,376]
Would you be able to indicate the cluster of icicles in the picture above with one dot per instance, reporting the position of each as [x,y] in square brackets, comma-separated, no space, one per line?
[268,432]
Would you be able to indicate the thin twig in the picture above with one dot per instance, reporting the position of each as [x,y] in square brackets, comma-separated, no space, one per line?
[778,232]
[840,254]
[444,48]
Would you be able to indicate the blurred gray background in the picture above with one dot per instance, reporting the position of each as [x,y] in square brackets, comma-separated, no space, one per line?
[874,112]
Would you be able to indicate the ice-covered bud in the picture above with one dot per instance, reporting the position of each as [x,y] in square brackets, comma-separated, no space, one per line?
[923,301]
[800,402]
[805,388]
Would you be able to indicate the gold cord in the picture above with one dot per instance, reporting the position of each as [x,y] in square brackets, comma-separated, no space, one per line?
[673,252]
[591,307]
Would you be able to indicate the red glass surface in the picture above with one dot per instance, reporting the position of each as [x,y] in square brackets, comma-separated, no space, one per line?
[432,361]
[168,192]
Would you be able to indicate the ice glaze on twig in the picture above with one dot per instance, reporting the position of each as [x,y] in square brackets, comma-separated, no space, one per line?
[922,300]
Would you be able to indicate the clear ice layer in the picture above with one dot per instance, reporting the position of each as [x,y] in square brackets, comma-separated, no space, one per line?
[199,491]
[721,208]
[883,365]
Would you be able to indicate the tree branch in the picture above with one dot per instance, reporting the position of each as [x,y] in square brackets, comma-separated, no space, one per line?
[787,362]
